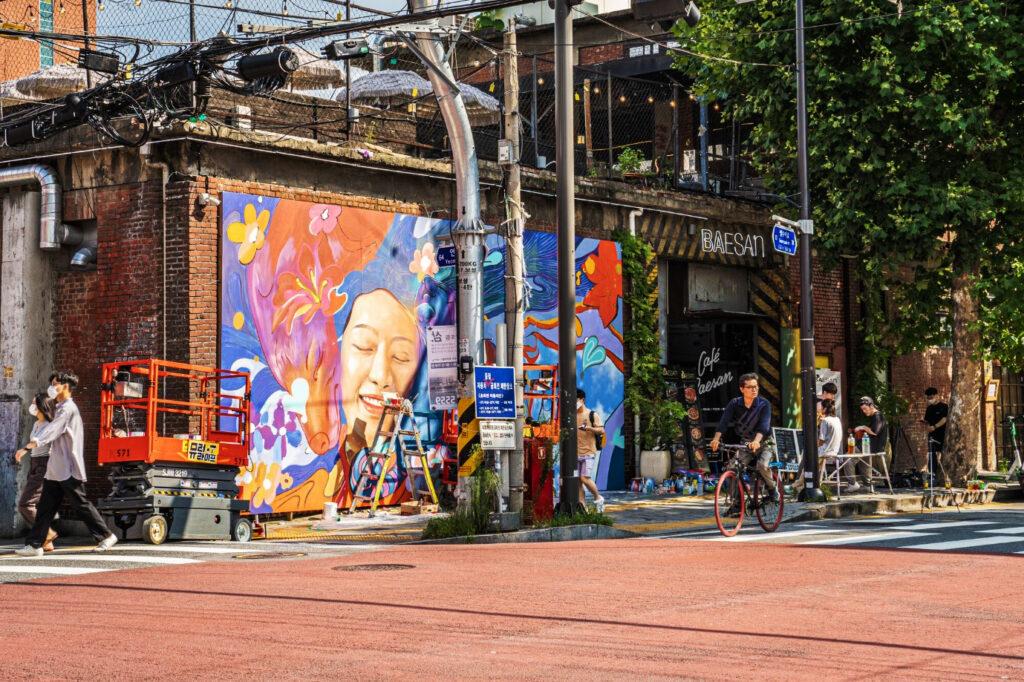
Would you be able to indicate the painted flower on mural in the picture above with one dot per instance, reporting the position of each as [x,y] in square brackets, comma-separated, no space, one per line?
[323,218]
[309,287]
[424,262]
[249,233]
[604,270]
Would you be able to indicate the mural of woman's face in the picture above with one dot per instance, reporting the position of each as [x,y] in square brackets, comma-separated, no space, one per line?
[379,354]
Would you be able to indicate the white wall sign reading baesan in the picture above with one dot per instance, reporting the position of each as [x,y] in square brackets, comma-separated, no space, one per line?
[706,379]
[732,243]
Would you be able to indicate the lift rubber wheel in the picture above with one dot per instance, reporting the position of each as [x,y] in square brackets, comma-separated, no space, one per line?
[241,531]
[154,530]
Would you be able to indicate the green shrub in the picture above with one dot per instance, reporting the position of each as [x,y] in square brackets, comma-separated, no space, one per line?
[578,519]
[473,518]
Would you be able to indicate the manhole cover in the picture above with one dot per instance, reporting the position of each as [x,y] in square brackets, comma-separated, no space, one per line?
[269,555]
[375,567]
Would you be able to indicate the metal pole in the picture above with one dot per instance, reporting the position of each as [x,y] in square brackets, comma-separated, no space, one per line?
[811,491]
[703,145]
[191,21]
[468,234]
[85,32]
[565,211]
[675,136]
[533,115]
[348,79]
[611,147]
[514,283]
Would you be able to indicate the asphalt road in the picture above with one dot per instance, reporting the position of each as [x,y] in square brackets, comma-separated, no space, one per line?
[669,608]
[972,530]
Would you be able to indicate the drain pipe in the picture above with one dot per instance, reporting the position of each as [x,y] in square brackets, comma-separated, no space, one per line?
[633,215]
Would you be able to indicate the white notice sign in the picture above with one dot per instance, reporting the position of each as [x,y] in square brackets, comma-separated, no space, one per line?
[497,434]
[442,368]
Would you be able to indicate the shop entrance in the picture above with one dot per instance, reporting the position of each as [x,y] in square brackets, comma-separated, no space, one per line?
[717,351]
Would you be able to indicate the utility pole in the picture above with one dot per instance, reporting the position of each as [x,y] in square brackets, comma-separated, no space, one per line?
[811,492]
[565,202]
[468,236]
[514,284]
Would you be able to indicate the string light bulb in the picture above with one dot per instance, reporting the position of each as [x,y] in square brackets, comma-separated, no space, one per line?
[540,81]
[597,89]
[60,7]
[622,98]
[229,4]
[101,7]
[138,3]
[672,103]
[715,106]
[650,99]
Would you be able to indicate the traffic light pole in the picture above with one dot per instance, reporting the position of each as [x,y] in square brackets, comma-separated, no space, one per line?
[568,501]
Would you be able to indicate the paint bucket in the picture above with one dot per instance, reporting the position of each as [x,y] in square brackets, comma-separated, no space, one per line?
[330,511]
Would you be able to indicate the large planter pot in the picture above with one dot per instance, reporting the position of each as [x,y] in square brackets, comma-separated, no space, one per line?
[656,464]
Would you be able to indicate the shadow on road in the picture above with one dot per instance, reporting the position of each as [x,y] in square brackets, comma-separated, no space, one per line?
[525,616]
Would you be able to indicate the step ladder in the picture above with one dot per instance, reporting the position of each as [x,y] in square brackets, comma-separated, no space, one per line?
[387,447]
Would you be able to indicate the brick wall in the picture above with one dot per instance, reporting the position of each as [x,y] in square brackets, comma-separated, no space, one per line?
[113,312]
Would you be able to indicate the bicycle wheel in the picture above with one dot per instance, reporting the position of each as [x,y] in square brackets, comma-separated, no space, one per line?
[769,513]
[729,503]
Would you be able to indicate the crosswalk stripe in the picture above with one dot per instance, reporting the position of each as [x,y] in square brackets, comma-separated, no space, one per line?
[179,549]
[892,520]
[756,537]
[1015,530]
[947,524]
[872,537]
[50,570]
[125,558]
[970,542]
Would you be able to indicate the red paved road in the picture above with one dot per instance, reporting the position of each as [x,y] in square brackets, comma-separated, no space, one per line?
[634,609]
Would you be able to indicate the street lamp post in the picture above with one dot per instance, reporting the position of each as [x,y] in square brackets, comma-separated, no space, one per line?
[811,492]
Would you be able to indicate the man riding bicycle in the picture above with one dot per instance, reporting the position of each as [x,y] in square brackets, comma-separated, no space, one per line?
[750,416]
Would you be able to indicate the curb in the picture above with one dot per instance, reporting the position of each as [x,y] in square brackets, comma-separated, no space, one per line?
[590,531]
[894,504]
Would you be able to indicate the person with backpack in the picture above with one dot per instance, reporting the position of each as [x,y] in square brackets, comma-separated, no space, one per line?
[589,443]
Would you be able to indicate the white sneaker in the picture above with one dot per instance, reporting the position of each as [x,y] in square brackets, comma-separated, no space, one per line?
[106,544]
[29,550]
[599,505]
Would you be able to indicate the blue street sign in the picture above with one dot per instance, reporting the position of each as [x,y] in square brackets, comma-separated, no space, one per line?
[495,389]
[784,240]
[446,256]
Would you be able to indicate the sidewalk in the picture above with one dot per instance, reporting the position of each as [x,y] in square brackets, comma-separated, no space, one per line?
[657,514]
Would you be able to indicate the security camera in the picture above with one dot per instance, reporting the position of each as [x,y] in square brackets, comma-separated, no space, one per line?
[207,199]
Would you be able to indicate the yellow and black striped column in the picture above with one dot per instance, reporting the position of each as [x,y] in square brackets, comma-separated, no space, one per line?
[769,298]
[469,438]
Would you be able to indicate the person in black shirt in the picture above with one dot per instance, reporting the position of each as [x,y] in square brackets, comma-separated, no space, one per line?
[750,417]
[935,416]
[878,434]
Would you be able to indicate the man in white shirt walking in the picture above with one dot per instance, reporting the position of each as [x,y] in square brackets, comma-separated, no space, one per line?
[65,473]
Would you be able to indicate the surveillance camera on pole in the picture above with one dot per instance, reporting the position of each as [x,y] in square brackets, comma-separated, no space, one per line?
[352,48]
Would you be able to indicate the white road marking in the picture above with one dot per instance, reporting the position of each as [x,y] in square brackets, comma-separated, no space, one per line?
[947,524]
[872,537]
[970,542]
[50,570]
[1016,530]
[891,520]
[179,549]
[755,537]
[125,558]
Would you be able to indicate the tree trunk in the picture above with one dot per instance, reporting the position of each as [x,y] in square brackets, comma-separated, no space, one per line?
[963,434]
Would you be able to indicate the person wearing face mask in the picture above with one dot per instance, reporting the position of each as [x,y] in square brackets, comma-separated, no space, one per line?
[42,408]
[65,473]
[591,429]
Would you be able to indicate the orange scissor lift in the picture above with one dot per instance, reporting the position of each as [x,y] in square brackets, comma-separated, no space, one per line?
[174,436]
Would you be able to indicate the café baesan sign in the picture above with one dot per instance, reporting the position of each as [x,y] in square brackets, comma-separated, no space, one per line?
[732,243]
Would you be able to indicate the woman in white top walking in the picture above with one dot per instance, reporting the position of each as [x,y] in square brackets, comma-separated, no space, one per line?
[42,408]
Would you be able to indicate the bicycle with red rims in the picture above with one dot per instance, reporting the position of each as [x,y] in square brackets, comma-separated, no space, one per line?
[735,496]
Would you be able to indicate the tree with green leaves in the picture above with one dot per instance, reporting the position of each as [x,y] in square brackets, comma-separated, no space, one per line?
[916,131]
